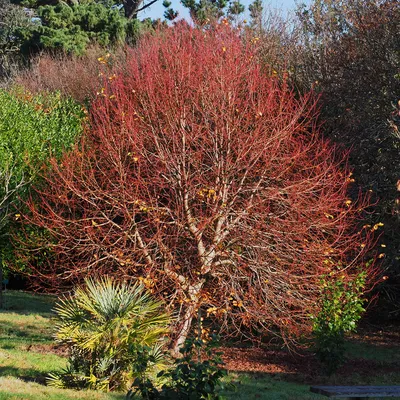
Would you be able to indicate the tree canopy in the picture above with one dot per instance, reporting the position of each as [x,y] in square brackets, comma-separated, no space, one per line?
[206,178]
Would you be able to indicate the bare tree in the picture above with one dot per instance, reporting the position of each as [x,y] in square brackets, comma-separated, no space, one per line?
[206,178]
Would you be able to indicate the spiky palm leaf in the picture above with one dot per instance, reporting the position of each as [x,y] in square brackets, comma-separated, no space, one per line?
[104,323]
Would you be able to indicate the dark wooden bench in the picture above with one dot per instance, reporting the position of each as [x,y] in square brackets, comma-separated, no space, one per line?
[357,392]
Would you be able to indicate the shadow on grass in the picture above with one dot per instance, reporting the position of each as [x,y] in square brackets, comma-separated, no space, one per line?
[25,374]
[266,386]
[25,303]
[13,334]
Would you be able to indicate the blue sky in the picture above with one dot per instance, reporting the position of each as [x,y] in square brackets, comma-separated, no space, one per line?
[157,9]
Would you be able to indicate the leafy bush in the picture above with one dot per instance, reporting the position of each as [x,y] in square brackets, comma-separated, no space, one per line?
[192,378]
[32,130]
[341,307]
[103,324]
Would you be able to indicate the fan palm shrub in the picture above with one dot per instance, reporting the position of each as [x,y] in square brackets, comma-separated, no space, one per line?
[104,324]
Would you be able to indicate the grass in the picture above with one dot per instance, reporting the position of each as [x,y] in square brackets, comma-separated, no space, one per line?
[265,386]
[25,335]
[28,354]
[13,388]
[380,354]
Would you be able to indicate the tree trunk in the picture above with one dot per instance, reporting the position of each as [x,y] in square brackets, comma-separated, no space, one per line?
[184,331]
[190,312]
[131,7]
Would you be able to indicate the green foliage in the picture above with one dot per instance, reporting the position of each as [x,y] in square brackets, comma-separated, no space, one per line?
[103,324]
[205,11]
[71,28]
[341,306]
[191,378]
[32,129]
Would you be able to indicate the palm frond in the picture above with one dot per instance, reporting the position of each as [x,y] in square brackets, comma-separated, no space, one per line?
[104,323]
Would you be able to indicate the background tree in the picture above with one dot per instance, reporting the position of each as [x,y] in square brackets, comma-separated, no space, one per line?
[12,18]
[129,8]
[206,11]
[256,10]
[71,28]
[352,57]
[206,178]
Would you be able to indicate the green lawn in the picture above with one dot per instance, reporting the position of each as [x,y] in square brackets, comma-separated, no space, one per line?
[28,353]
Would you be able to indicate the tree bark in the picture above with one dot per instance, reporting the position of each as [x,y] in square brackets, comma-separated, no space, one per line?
[132,7]
[190,312]
[183,333]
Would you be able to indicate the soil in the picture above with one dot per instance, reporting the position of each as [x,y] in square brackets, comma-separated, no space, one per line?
[305,367]
[61,351]
[389,336]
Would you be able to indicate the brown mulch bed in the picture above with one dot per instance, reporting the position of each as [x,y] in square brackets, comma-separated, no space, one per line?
[305,367]
[48,348]
[389,336]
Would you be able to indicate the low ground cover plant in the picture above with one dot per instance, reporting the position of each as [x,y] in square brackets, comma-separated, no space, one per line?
[197,374]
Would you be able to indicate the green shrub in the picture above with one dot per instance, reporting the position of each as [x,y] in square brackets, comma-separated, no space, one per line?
[103,324]
[196,375]
[341,306]
[32,129]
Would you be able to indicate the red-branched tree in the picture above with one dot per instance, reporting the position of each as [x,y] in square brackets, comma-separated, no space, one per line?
[207,179]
